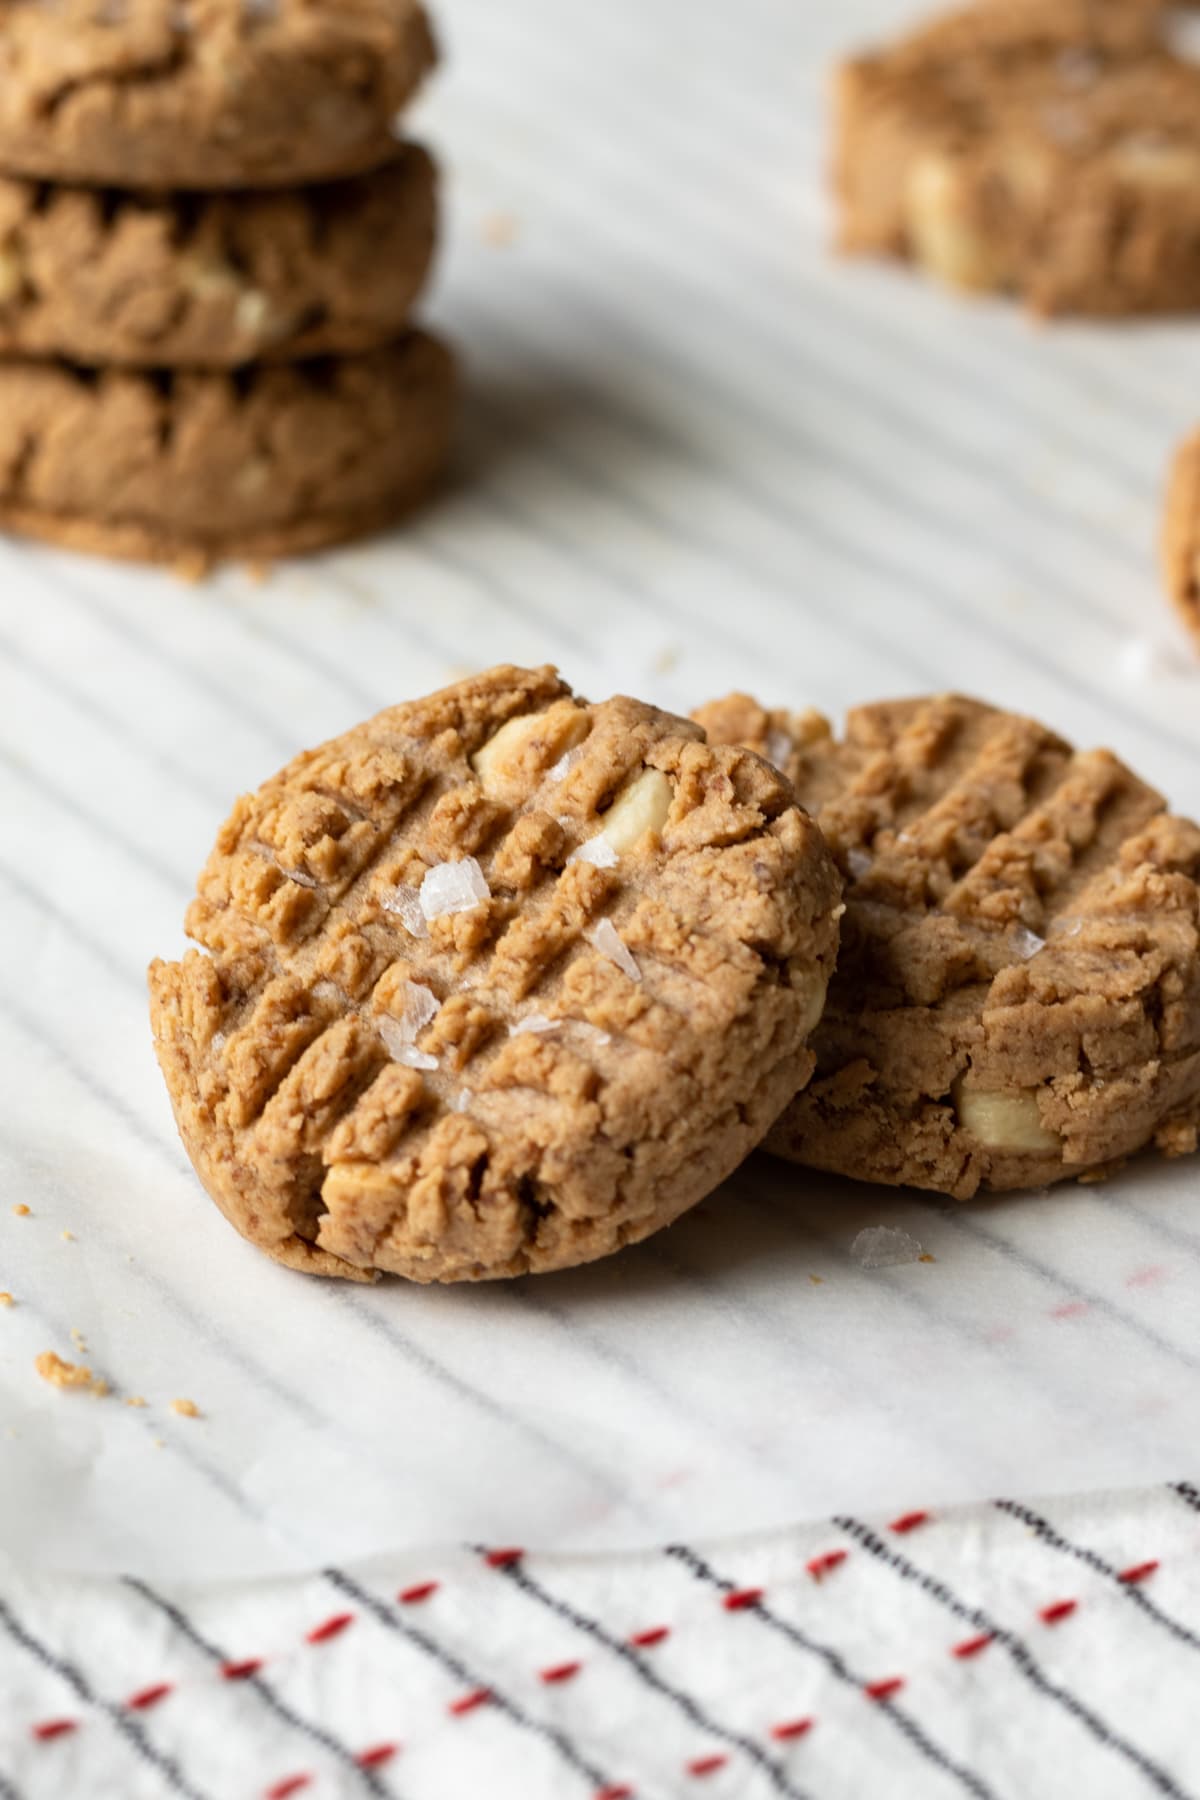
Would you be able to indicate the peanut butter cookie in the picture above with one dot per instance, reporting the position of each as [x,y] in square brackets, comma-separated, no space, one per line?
[497,982]
[1017,998]
[1181,534]
[1050,148]
[215,280]
[205,93]
[190,468]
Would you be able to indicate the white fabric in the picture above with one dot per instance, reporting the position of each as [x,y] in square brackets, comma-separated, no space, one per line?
[1049,1650]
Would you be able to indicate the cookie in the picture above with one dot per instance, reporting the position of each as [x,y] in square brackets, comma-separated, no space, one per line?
[196,467]
[207,94]
[215,280]
[1181,534]
[496,983]
[1050,148]
[1017,999]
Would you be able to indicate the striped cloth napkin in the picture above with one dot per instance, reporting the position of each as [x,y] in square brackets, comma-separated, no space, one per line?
[1016,1650]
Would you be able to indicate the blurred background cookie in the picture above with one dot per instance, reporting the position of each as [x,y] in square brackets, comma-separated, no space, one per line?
[1050,148]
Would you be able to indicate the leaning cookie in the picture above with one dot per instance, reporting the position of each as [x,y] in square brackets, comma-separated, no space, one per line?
[207,94]
[1181,534]
[498,982]
[193,468]
[1017,999]
[1045,147]
[215,280]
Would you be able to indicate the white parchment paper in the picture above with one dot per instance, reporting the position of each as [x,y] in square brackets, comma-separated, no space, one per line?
[698,453]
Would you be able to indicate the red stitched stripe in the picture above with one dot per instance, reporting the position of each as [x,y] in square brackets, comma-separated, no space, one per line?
[742,1598]
[321,1634]
[822,1565]
[421,1590]
[1139,1571]
[377,1755]
[291,1784]
[54,1728]
[908,1521]
[883,1690]
[148,1696]
[1058,1609]
[973,1645]
[646,1640]
[502,1559]
[791,1728]
[561,1672]
[707,1765]
[241,1671]
[616,1790]
[468,1702]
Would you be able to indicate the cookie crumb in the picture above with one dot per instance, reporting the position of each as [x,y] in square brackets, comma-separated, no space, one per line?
[926,1257]
[187,1409]
[135,1400]
[68,1237]
[6,1299]
[51,1367]
[500,230]
[21,1210]
[817,1280]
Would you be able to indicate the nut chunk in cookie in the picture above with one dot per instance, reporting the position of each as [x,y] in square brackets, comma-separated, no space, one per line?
[1049,148]
[498,982]
[1017,998]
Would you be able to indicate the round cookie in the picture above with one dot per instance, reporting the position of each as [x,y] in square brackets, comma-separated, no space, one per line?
[496,983]
[1017,999]
[1049,148]
[191,468]
[207,94]
[215,280]
[1181,534]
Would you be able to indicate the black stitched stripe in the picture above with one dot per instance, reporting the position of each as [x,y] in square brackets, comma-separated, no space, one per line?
[1019,1652]
[130,1729]
[7,1790]
[392,1621]
[1137,1596]
[522,1579]
[837,1664]
[1187,1493]
[315,1733]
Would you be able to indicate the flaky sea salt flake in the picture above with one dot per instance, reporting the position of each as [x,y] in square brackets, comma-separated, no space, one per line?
[421,1006]
[405,902]
[608,942]
[884,1247]
[534,1022]
[562,768]
[453,887]
[598,851]
[779,748]
[1027,943]
[401,1049]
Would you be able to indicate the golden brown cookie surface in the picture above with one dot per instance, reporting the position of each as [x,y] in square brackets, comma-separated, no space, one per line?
[1046,147]
[163,94]
[1181,534]
[200,466]
[496,983]
[1017,998]
[214,280]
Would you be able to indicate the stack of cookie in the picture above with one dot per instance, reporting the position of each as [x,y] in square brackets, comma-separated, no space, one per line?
[211,241]
[500,981]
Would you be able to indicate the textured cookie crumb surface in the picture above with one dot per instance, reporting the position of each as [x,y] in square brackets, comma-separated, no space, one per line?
[214,280]
[272,461]
[495,983]
[1017,999]
[1047,147]
[205,93]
